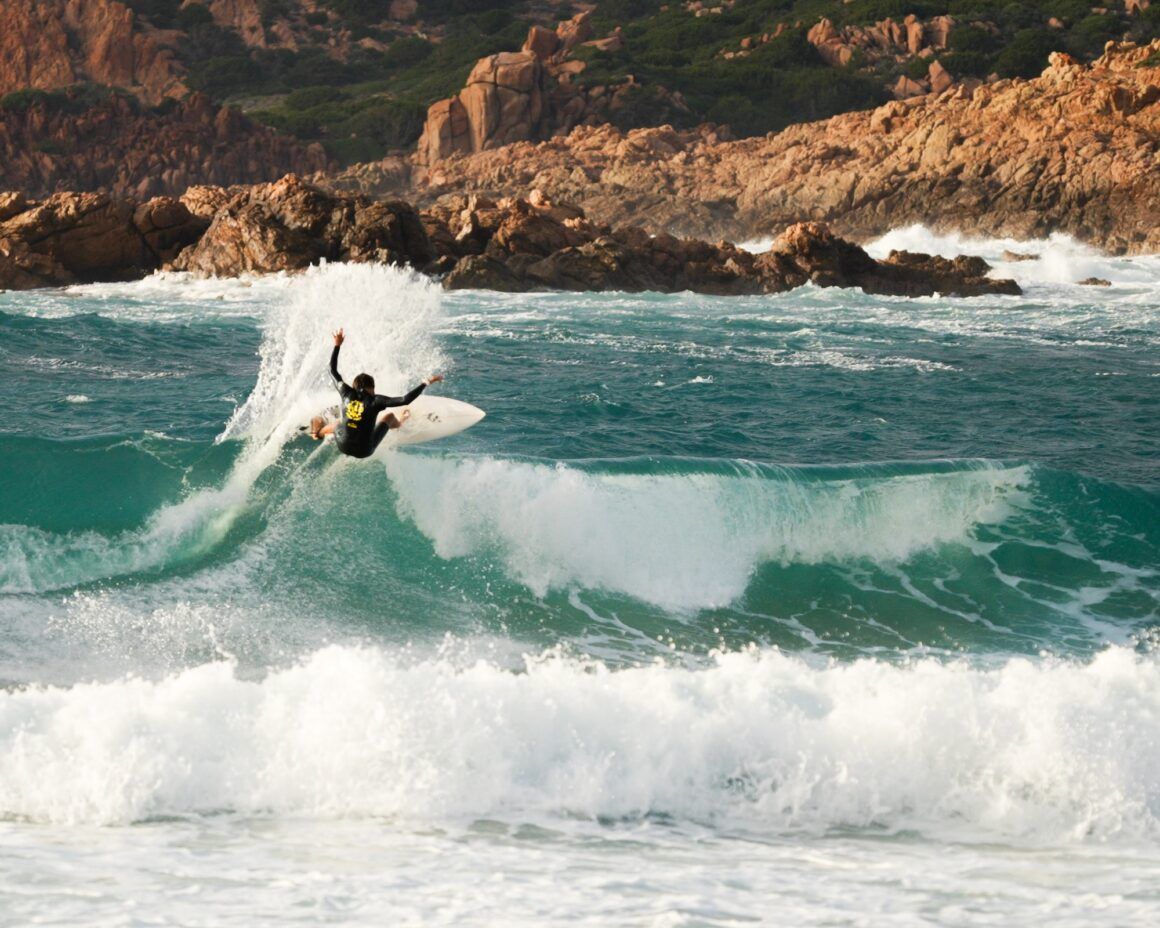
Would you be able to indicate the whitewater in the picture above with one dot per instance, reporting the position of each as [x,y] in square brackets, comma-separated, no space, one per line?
[810,609]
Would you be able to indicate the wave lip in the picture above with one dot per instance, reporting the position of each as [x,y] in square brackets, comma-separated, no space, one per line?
[686,540]
[1037,751]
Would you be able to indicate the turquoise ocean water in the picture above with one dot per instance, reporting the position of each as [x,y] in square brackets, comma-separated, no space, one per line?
[818,608]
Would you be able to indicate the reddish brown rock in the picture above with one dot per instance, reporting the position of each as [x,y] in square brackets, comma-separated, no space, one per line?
[529,250]
[940,79]
[204,201]
[541,42]
[511,244]
[12,203]
[1074,150]
[72,237]
[290,224]
[905,87]
[885,41]
[167,226]
[529,94]
[243,16]
[118,147]
[503,102]
[49,44]
[574,31]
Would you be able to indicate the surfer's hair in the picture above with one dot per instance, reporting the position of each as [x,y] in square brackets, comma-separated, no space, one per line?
[364,382]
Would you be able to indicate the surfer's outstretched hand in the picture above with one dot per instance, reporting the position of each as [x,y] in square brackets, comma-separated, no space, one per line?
[338,337]
[434,378]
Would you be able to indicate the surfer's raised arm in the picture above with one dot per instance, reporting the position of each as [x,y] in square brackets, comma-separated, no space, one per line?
[335,375]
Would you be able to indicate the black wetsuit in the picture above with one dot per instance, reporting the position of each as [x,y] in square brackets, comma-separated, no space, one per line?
[357,434]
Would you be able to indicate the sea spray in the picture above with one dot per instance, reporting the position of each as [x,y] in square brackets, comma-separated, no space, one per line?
[1038,752]
[390,316]
[1057,260]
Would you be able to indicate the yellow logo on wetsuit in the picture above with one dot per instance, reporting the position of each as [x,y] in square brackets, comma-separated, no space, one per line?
[354,413]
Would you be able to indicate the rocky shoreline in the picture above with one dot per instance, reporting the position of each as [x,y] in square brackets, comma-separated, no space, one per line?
[468,241]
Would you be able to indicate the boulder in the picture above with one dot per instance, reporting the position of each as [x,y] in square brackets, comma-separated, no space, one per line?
[828,261]
[541,42]
[906,87]
[204,201]
[167,226]
[483,272]
[906,273]
[573,31]
[290,224]
[84,237]
[12,203]
[530,250]
[940,79]
[503,102]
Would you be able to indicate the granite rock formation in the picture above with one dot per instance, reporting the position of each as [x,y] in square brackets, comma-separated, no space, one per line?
[127,151]
[1075,150]
[518,245]
[49,44]
[529,94]
[84,237]
[511,244]
[897,39]
[289,225]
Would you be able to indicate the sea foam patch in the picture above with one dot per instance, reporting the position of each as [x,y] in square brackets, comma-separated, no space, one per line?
[1039,751]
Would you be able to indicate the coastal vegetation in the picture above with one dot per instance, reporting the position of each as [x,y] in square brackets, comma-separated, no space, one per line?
[358,78]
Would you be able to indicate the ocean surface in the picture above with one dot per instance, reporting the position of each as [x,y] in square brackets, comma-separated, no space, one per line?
[809,609]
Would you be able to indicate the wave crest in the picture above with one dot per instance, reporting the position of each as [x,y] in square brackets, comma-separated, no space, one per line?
[685,540]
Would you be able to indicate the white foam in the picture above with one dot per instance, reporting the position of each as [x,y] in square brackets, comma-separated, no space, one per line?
[1058,259]
[757,245]
[1037,750]
[165,296]
[682,542]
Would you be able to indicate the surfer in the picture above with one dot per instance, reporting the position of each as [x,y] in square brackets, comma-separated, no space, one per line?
[357,433]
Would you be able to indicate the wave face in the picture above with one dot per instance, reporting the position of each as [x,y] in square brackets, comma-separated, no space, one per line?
[784,577]
[856,559]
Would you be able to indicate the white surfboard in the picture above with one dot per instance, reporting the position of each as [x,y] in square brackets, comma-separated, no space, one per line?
[431,417]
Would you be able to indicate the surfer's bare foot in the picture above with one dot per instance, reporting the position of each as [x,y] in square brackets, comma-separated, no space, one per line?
[316,425]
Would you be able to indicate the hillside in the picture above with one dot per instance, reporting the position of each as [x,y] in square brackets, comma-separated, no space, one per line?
[1074,150]
[358,76]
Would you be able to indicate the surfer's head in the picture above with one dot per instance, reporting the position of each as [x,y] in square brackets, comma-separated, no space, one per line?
[365,383]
